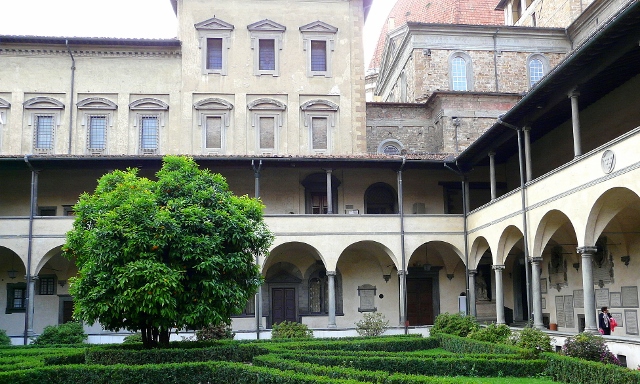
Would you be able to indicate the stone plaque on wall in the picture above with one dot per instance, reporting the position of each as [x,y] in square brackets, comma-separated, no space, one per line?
[631,319]
[578,298]
[544,303]
[619,318]
[367,295]
[629,296]
[568,312]
[560,310]
[602,297]
[615,300]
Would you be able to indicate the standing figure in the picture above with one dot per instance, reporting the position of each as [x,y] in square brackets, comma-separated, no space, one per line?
[604,322]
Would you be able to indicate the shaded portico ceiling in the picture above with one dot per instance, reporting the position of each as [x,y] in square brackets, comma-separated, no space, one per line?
[605,61]
[469,12]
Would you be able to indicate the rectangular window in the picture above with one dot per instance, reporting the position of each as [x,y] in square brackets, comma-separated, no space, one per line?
[213,134]
[318,56]
[97,133]
[46,285]
[267,55]
[319,133]
[149,133]
[214,54]
[16,295]
[267,133]
[44,132]
[47,211]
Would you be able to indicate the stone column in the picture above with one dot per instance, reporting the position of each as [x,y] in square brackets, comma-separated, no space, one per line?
[590,324]
[499,294]
[329,193]
[527,153]
[31,304]
[537,295]
[332,298]
[472,292]
[575,121]
[492,173]
[403,316]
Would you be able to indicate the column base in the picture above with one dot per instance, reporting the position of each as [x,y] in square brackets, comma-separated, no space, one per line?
[593,331]
[332,326]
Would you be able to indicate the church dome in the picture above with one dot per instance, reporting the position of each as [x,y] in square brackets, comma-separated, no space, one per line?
[471,12]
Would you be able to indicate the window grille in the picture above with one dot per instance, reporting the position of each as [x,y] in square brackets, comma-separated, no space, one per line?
[536,71]
[459,74]
[391,150]
[97,133]
[267,53]
[18,298]
[214,50]
[44,132]
[149,133]
[47,285]
[318,55]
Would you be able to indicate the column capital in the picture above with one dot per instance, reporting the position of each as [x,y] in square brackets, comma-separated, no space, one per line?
[536,259]
[526,128]
[331,273]
[328,170]
[588,249]
[573,93]
[402,272]
[497,267]
[492,153]
[473,272]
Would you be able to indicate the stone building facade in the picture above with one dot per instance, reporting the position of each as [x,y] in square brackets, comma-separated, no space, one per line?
[400,211]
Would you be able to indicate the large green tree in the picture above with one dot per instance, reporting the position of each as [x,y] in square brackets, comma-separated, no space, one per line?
[172,253]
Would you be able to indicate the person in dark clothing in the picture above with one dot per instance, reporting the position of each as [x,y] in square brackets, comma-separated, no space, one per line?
[603,321]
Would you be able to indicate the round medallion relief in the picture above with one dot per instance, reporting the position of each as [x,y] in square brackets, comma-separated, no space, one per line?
[608,161]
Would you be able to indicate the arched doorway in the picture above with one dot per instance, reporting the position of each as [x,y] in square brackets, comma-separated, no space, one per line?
[380,198]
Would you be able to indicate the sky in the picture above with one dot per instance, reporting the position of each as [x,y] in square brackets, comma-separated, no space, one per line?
[122,19]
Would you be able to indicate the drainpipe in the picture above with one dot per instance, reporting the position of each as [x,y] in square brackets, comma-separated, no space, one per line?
[524,211]
[73,78]
[403,270]
[495,58]
[256,174]
[465,213]
[28,316]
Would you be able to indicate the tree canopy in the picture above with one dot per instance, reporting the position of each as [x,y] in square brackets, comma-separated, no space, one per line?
[172,253]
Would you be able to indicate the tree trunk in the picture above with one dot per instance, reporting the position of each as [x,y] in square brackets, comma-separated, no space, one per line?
[164,337]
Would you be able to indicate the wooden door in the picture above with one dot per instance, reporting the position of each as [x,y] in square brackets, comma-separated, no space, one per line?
[283,305]
[420,301]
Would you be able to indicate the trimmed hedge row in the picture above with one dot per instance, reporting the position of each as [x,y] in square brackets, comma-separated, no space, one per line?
[275,361]
[385,344]
[465,345]
[443,367]
[187,373]
[573,370]
[235,353]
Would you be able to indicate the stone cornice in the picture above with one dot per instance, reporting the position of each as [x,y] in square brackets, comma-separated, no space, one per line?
[87,53]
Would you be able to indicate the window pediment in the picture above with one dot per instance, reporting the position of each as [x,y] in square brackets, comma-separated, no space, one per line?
[213,103]
[266,104]
[266,25]
[43,103]
[4,103]
[214,24]
[149,103]
[318,26]
[96,103]
[319,105]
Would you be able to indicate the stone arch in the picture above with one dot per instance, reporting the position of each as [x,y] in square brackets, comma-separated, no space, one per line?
[478,248]
[509,237]
[552,222]
[605,209]
[301,251]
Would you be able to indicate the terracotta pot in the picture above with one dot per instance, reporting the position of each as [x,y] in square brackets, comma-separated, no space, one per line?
[553,327]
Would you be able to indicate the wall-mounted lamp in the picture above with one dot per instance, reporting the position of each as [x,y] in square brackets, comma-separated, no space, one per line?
[386,278]
[388,269]
[450,276]
[62,283]
[576,266]
[626,260]
[12,273]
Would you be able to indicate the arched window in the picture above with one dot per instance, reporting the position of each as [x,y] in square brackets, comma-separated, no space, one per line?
[390,147]
[380,198]
[460,72]
[537,67]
